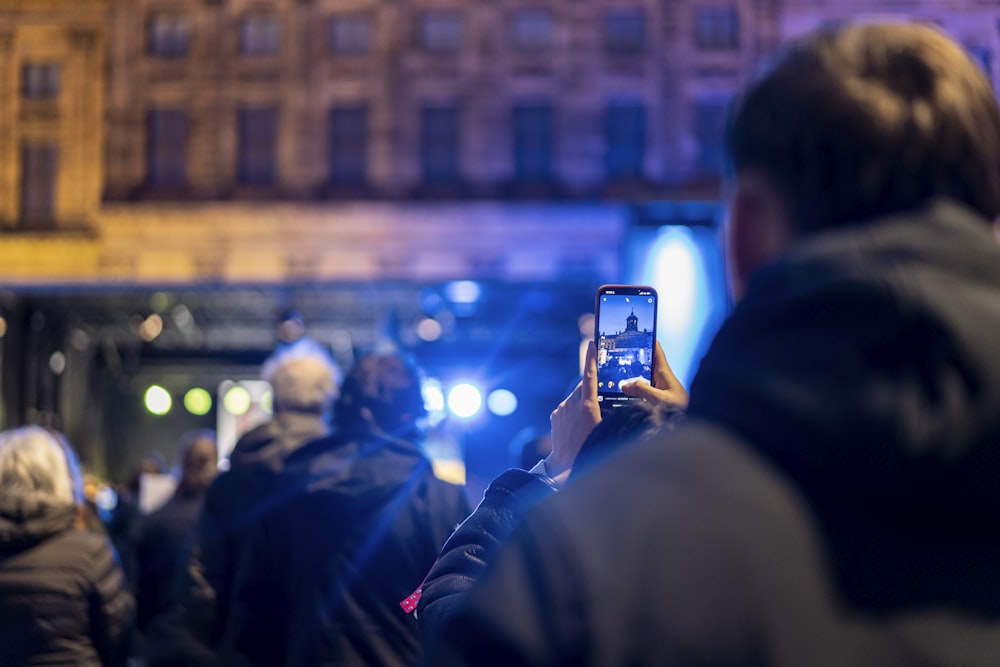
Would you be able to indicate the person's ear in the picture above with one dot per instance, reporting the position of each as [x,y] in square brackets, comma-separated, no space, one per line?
[757,231]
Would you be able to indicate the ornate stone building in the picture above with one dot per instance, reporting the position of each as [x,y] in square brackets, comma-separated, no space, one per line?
[284,134]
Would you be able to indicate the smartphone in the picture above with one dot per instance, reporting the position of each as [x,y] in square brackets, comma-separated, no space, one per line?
[625,333]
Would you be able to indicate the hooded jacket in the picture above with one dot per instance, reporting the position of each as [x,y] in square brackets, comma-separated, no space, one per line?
[63,599]
[831,500]
[235,501]
[360,523]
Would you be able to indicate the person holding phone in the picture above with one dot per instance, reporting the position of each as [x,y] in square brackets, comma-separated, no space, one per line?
[831,497]
[579,432]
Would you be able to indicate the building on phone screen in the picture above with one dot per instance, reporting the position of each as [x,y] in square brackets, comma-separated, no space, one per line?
[626,355]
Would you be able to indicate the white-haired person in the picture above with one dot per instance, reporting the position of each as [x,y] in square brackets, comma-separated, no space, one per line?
[304,379]
[63,599]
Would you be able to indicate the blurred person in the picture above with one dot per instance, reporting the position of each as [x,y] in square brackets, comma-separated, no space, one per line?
[473,547]
[63,599]
[360,522]
[162,543]
[126,512]
[304,381]
[831,497]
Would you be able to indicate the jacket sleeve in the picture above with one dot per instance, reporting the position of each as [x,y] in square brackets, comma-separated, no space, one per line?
[473,546]
[505,621]
[111,606]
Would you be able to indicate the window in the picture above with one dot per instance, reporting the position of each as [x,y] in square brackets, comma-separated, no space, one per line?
[40,80]
[717,27]
[709,120]
[258,135]
[348,145]
[39,165]
[625,137]
[532,29]
[259,35]
[351,35]
[533,142]
[168,36]
[441,32]
[166,148]
[625,30]
[439,144]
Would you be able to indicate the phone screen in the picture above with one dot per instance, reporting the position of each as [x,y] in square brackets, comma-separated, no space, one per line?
[625,334]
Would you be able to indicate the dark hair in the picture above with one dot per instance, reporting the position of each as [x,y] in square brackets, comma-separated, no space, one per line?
[635,422]
[869,119]
[389,388]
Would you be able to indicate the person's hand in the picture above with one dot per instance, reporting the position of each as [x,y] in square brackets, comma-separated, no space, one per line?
[666,388]
[573,420]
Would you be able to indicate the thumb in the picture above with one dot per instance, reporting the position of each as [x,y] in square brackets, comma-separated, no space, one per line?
[639,389]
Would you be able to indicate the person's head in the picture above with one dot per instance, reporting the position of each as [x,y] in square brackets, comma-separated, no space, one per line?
[303,378]
[381,394]
[634,422]
[39,466]
[197,461]
[851,123]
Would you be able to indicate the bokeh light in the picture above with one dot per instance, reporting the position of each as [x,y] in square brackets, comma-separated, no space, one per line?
[158,400]
[465,400]
[501,402]
[198,401]
[237,401]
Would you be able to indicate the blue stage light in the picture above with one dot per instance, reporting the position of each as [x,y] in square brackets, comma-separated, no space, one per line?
[501,402]
[465,400]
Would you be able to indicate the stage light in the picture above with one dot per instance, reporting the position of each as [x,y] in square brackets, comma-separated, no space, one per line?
[429,330]
[465,400]
[236,400]
[158,400]
[267,402]
[463,291]
[501,402]
[198,401]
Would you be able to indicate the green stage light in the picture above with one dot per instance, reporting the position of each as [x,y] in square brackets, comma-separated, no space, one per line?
[198,401]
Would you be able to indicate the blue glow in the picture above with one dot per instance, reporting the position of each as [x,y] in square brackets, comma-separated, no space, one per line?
[465,400]
[433,400]
[501,402]
[675,267]
[463,291]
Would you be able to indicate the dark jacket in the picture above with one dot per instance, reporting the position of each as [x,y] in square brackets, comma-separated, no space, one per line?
[360,524]
[236,500]
[474,545]
[832,499]
[63,599]
[163,540]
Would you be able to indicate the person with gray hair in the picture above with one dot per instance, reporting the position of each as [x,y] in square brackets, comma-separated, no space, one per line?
[63,598]
[304,380]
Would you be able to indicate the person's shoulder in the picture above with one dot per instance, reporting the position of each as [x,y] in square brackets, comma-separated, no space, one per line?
[701,485]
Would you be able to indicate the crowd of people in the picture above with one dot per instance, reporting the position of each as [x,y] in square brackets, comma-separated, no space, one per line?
[825,495]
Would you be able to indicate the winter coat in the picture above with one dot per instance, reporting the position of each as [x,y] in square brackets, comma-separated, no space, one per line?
[358,525]
[831,500]
[472,547]
[63,599]
[236,500]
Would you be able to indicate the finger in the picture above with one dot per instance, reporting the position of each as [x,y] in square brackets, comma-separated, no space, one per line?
[640,390]
[588,386]
[664,377]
